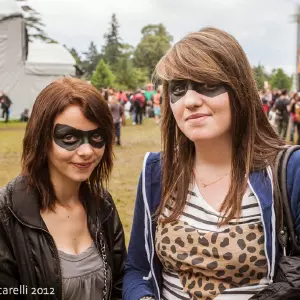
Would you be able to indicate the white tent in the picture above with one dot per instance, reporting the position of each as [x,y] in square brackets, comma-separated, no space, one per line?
[23,76]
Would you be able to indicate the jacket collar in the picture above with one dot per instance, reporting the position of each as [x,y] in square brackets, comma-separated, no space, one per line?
[26,205]
[262,186]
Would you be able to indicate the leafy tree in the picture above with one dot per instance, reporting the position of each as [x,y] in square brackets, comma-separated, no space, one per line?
[153,45]
[140,77]
[112,48]
[260,76]
[92,57]
[103,76]
[76,56]
[78,65]
[127,76]
[34,23]
[280,80]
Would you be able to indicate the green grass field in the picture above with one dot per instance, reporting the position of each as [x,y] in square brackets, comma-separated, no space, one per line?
[136,141]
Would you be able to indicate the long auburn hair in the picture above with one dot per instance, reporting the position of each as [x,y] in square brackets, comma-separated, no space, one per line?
[51,102]
[213,56]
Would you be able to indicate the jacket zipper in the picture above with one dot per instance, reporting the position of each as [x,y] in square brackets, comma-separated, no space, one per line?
[111,275]
[53,245]
[108,266]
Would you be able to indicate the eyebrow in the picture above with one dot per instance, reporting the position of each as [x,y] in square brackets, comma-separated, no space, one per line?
[58,127]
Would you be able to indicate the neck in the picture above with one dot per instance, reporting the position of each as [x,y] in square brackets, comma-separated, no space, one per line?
[66,190]
[213,155]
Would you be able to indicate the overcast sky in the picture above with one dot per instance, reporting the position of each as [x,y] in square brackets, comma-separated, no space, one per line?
[263,27]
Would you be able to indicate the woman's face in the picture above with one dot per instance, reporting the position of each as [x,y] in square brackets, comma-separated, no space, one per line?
[77,146]
[202,111]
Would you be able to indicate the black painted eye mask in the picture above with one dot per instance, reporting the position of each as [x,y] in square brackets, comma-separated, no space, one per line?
[178,89]
[71,138]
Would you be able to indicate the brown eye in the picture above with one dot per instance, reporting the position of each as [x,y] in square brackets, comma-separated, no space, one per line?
[69,139]
[210,87]
[97,138]
[178,89]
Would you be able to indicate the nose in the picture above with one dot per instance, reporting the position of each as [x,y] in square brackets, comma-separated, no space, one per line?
[85,150]
[192,99]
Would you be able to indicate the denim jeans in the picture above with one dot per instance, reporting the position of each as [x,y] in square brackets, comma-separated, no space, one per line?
[118,132]
[292,129]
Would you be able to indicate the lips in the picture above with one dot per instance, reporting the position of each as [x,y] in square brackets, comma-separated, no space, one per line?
[82,166]
[196,116]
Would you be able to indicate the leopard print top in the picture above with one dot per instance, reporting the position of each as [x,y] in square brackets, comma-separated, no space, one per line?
[209,262]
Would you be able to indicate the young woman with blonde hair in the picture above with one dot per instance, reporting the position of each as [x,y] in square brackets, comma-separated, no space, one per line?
[204,223]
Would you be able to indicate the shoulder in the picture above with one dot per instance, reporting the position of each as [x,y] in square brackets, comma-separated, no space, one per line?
[152,166]
[7,191]
[293,167]
[153,158]
[108,199]
[106,209]
[294,161]
[6,196]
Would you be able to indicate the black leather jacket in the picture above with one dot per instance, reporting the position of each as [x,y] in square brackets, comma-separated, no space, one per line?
[28,255]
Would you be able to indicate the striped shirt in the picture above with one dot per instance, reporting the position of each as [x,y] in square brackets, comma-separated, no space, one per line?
[199,214]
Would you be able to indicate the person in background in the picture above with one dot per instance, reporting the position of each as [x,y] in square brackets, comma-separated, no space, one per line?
[156,106]
[282,114]
[59,227]
[138,101]
[106,95]
[132,109]
[265,102]
[272,118]
[275,94]
[295,116]
[117,111]
[292,124]
[25,115]
[111,93]
[5,105]
[127,109]
[122,98]
[265,106]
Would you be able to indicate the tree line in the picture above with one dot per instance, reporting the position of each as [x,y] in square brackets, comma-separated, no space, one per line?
[119,64]
[125,67]
[277,78]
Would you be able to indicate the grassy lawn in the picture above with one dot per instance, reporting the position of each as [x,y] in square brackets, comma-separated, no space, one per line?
[136,141]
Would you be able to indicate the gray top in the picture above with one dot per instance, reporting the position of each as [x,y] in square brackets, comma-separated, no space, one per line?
[82,275]
[116,111]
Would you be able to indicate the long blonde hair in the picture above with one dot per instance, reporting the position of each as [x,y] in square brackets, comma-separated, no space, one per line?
[213,56]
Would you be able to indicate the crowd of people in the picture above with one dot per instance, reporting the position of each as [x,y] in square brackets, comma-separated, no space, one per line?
[138,104]
[135,106]
[283,111]
[124,105]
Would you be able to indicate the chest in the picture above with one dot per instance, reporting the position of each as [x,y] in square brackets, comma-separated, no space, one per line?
[202,254]
[215,193]
[69,229]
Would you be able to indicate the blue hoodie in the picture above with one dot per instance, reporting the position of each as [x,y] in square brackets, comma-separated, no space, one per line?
[143,271]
